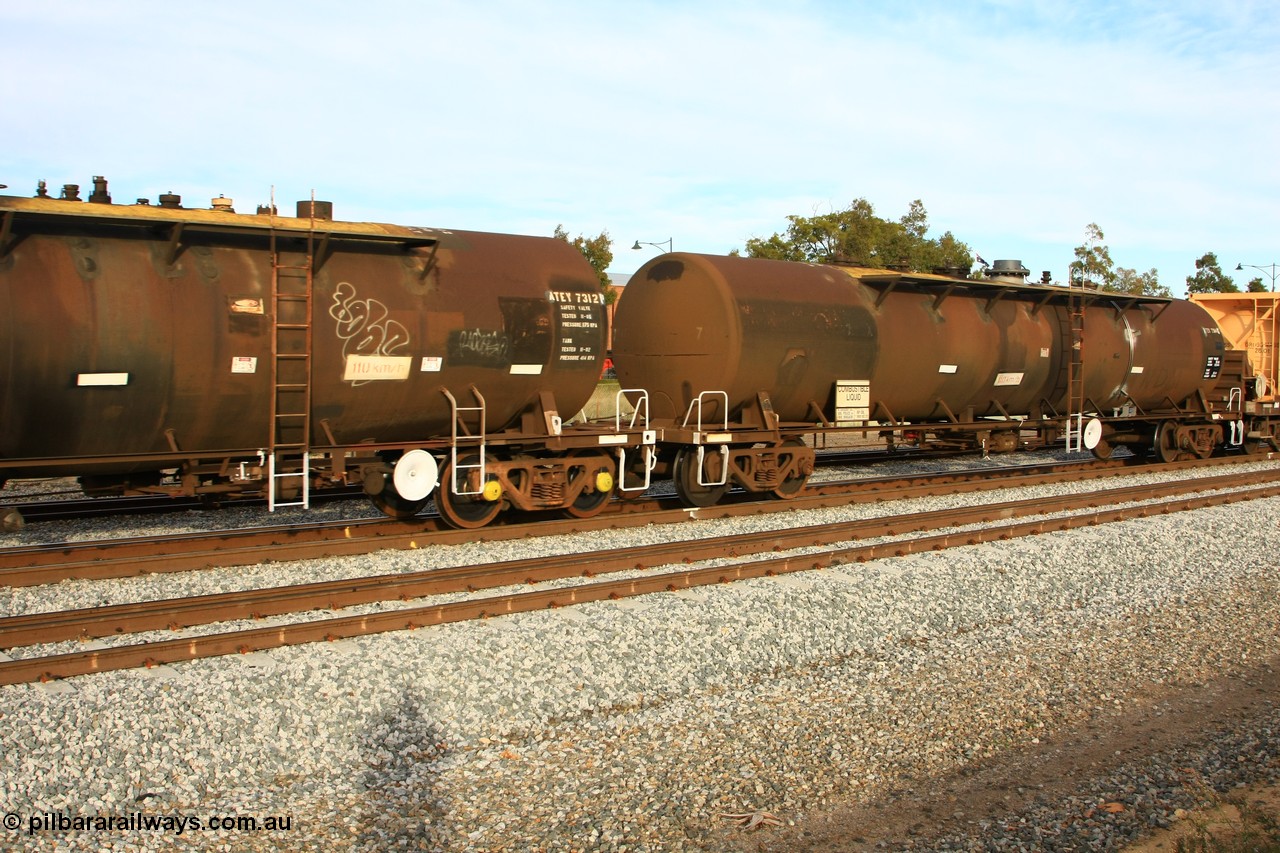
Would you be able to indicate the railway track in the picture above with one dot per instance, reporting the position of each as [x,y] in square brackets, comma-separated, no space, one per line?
[48,507]
[113,558]
[833,539]
[64,500]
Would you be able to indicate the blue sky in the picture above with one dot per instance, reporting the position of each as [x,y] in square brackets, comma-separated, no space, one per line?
[1016,123]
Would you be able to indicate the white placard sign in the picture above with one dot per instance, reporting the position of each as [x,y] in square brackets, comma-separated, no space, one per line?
[368,368]
[853,400]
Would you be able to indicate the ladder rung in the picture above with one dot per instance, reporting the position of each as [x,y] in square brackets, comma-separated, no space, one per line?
[291,356]
[293,326]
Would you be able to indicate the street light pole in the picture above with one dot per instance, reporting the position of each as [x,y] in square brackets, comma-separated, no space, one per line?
[1269,270]
[668,242]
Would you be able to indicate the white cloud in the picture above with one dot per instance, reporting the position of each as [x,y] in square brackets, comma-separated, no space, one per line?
[1016,123]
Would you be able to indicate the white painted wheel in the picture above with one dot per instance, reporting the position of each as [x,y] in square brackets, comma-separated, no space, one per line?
[1092,433]
[416,475]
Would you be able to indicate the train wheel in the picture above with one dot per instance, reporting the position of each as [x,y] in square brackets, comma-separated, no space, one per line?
[467,511]
[791,486]
[588,505]
[391,503]
[1139,451]
[1166,442]
[403,491]
[11,521]
[592,502]
[1094,438]
[685,476]
[1267,432]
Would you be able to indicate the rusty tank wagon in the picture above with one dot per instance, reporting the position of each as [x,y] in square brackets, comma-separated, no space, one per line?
[154,348]
[738,354]
[157,348]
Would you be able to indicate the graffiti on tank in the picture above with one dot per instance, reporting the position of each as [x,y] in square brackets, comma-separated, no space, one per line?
[364,325]
[483,344]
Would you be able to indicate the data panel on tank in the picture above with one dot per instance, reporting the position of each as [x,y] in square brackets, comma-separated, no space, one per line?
[580,319]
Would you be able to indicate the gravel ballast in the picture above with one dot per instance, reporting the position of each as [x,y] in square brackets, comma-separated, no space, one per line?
[636,725]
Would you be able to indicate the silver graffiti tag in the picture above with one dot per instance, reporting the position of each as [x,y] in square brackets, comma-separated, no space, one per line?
[365,327]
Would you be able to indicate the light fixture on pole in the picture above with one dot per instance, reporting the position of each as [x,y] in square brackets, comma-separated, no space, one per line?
[667,242]
[1269,270]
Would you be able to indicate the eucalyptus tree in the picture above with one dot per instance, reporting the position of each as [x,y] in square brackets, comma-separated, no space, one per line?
[856,235]
[1209,277]
[598,252]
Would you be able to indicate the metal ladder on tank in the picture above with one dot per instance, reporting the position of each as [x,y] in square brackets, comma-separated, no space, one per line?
[703,402]
[462,438]
[289,453]
[1074,341]
[639,419]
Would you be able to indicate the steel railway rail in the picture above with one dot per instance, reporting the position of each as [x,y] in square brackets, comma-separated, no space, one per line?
[18,510]
[178,613]
[173,614]
[40,564]
[82,507]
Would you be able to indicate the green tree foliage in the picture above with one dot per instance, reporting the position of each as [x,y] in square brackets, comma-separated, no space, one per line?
[1209,277]
[857,236]
[1092,266]
[1256,285]
[1140,284]
[598,252]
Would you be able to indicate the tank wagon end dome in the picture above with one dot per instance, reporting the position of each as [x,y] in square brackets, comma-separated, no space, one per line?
[692,324]
[675,330]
